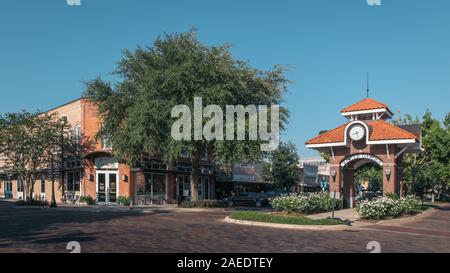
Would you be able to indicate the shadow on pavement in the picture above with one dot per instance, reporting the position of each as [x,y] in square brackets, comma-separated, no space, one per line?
[21,225]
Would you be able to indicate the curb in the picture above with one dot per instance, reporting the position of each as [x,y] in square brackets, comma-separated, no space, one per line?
[289,226]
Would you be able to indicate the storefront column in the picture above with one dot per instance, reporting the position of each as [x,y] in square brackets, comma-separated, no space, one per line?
[171,188]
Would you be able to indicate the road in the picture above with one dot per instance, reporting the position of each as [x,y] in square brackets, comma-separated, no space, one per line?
[173,231]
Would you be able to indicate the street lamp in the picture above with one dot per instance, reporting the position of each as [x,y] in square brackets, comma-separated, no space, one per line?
[63,124]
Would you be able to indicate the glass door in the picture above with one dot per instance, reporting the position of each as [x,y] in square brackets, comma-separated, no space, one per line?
[112,188]
[101,188]
[107,187]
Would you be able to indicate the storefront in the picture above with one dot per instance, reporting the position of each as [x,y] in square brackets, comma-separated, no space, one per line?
[205,188]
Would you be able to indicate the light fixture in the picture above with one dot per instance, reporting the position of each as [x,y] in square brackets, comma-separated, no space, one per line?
[91,177]
[388,173]
[124,178]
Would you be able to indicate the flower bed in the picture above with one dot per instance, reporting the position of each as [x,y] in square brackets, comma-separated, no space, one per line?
[300,203]
[384,207]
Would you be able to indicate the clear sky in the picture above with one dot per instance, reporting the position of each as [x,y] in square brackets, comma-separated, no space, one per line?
[48,48]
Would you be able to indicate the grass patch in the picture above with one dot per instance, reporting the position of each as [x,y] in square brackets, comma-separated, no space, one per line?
[281,219]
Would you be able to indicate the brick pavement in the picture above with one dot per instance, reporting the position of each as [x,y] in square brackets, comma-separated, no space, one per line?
[45,230]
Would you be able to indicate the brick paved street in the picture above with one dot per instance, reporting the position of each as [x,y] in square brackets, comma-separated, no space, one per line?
[45,230]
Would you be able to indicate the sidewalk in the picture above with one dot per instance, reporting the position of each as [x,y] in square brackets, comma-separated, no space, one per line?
[345,214]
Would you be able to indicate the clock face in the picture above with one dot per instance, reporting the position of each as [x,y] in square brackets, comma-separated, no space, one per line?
[357,132]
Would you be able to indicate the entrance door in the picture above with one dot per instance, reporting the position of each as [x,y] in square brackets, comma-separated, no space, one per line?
[107,187]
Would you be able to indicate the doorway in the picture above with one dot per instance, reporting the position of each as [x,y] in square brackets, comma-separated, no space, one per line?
[107,187]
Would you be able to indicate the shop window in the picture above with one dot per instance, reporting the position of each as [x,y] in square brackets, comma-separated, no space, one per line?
[73,181]
[155,183]
[19,185]
[43,186]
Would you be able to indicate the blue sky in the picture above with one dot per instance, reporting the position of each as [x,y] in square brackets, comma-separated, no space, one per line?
[47,49]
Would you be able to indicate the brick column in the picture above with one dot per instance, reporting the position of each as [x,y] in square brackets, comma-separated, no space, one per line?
[348,191]
[335,181]
[390,182]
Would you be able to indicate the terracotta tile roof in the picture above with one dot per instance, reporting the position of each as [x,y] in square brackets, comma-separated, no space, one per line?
[379,130]
[331,136]
[365,104]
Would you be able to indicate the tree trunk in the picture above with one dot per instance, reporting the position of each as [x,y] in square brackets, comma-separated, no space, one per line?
[194,175]
[31,187]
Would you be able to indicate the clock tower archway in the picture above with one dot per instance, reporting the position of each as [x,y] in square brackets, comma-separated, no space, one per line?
[366,137]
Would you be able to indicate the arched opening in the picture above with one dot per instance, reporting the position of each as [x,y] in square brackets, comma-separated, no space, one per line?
[362,178]
[368,181]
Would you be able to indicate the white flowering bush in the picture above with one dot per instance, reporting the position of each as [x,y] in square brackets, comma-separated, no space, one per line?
[411,204]
[314,202]
[383,207]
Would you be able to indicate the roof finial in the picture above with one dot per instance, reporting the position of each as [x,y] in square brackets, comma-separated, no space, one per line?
[367,90]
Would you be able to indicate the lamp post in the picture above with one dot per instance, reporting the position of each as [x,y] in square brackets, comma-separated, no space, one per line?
[333,174]
[63,123]
[53,203]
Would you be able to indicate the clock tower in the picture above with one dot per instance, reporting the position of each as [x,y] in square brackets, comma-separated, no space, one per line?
[366,137]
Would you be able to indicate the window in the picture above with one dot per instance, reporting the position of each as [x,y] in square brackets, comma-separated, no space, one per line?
[204,156]
[184,153]
[73,181]
[19,185]
[43,186]
[155,182]
[78,134]
[106,143]
[8,186]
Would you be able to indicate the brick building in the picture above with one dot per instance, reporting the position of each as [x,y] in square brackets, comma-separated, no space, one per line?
[98,175]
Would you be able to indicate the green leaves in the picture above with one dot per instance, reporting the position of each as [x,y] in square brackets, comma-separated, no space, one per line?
[281,167]
[429,169]
[30,141]
[136,111]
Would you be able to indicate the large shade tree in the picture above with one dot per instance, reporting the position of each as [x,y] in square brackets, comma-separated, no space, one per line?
[136,110]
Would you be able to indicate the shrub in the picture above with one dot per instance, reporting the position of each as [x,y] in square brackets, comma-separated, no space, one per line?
[383,207]
[392,195]
[124,201]
[33,203]
[410,205]
[86,199]
[314,202]
[203,204]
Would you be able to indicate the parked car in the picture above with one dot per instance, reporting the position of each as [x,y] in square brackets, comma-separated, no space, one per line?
[249,199]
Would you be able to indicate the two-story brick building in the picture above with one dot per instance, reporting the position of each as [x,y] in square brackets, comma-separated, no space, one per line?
[98,175]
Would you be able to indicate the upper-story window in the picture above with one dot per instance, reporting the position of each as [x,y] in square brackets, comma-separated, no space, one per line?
[78,134]
[184,153]
[106,143]
[204,156]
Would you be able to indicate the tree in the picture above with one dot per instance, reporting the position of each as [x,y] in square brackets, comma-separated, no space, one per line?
[30,143]
[137,110]
[281,167]
[372,174]
[430,169]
